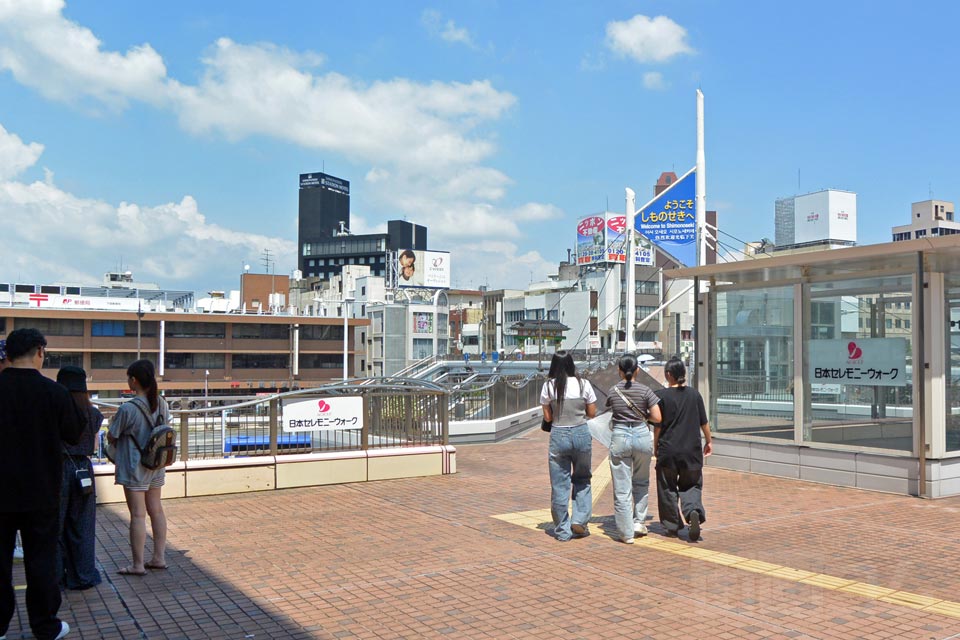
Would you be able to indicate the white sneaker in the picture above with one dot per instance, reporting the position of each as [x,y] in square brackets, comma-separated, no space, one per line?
[64,630]
[627,540]
[639,530]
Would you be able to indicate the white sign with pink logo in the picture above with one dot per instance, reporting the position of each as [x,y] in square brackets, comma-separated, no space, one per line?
[872,362]
[322,414]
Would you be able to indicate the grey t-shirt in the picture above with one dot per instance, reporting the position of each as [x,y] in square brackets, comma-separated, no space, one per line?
[575,402]
[129,423]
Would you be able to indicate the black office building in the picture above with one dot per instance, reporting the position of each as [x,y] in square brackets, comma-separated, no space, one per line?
[326,258]
[324,210]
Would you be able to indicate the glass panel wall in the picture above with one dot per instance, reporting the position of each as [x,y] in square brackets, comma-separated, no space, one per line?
[952,373]
[858,373]
[753,362]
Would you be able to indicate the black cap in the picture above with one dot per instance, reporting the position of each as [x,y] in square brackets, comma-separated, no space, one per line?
[73,378]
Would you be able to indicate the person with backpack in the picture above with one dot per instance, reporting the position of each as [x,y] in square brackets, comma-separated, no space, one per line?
[130,431]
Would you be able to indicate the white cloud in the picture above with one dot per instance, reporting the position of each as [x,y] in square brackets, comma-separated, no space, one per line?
[65,61]
[425,145]
[15,156]
[647,39]
[52,232]
[654,80]
[447,31]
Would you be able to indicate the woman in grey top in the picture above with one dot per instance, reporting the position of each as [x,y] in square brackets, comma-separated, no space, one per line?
[141,486]
[631,449]
[567,403]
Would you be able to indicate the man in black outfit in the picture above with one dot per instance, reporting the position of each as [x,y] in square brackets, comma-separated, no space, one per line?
[36,416]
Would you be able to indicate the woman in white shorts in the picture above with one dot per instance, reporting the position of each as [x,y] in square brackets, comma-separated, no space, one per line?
[130,431]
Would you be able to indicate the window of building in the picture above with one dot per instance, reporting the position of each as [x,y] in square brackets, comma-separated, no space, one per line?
[177,329]
[23,288]
[261,331]
[320,361]
[422,348]
[321,332]
[122,328]
[261,361]
[55,360]
[49,288]
[56,326]
[116,360]
[921,233]
[195,360]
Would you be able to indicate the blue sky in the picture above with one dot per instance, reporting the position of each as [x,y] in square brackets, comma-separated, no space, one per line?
[170,135]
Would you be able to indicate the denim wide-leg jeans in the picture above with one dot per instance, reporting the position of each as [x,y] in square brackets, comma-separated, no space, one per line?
[570,449]
[631,449]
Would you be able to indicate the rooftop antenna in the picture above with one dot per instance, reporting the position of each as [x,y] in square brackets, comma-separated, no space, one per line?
[607,207]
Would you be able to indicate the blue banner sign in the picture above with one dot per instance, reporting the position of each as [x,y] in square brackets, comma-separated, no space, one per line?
[670,220]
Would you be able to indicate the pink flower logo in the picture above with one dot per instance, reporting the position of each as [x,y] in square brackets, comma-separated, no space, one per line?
[323,406]
[854,351]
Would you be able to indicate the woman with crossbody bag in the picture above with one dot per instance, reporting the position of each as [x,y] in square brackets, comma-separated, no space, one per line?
[130,431]
[631,449]
[78,497]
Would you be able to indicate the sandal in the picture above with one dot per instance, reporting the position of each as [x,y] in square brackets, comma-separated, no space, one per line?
[155,566]
[129,571]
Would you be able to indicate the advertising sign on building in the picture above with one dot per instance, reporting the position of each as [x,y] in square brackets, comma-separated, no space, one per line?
[670,219]
[55,301]
[591,241]
[602,238]
[872,362]
[429,269]
[617,242]
[322,414]
[313,180]
[422,322]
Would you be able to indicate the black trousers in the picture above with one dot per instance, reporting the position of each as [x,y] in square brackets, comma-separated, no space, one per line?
[78,525]
[39,532]
[679,485]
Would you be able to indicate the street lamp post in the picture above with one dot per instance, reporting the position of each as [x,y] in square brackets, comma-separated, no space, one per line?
[139,318]
[345,342]
[206,380]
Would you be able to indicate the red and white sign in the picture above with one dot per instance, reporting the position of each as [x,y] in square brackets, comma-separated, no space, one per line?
[322,414]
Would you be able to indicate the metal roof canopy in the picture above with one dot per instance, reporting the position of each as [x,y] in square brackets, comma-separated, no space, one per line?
[941,254]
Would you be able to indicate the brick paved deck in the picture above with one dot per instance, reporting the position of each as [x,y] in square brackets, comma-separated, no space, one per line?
[426,558]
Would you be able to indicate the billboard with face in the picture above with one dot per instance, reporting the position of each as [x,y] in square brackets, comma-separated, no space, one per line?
[428,269]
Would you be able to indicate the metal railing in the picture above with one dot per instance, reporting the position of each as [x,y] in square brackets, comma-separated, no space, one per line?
[495,397]
[397,412]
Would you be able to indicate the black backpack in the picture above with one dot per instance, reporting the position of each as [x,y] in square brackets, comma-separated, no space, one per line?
[161,448]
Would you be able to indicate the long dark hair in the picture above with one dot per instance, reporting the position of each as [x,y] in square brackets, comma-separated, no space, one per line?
[562,367]
[145,375]
[82,399]
[677,371]
[628,365]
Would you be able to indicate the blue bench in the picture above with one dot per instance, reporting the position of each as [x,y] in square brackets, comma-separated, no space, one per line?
[236,444]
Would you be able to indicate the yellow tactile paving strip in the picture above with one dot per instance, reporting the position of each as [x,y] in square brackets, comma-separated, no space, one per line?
[540,518]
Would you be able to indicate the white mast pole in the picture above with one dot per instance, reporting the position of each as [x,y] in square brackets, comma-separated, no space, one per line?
[701,209]
[631,295]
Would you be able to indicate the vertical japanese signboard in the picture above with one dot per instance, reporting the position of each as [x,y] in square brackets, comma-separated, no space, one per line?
[670,220]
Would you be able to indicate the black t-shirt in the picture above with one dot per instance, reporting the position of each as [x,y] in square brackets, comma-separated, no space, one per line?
[683,412]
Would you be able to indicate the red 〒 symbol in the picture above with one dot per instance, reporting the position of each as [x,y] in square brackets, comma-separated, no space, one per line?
[855,352]
[323,406]
[38,298]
